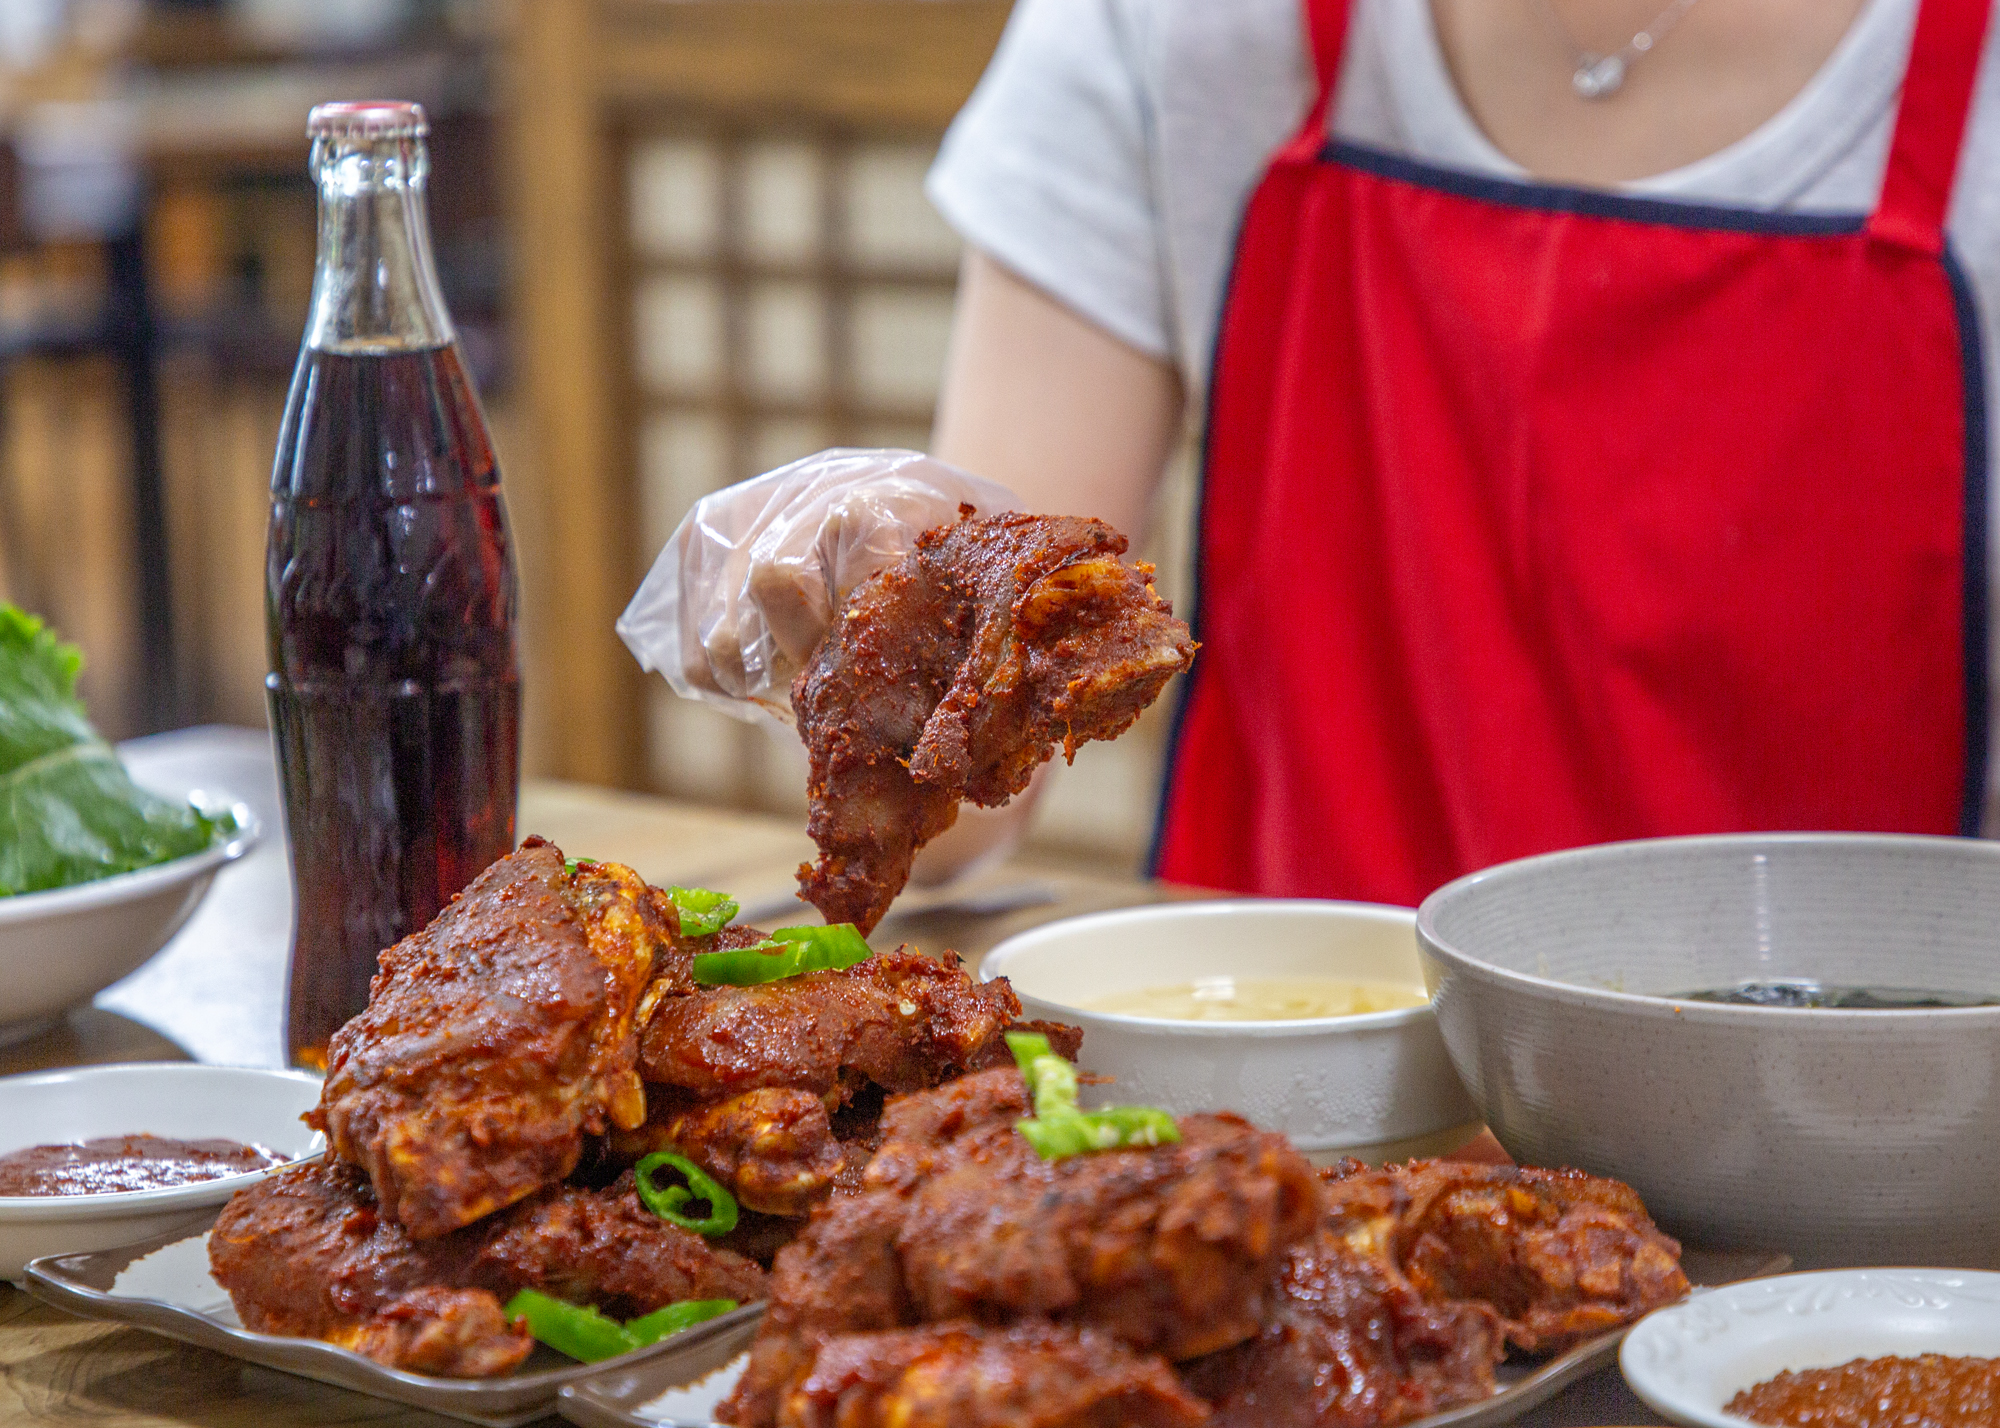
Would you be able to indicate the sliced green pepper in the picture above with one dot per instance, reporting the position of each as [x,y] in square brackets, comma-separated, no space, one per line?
[572,864]
[1051,1080]
[653,1327]
[1057,1127]
[788,952]
[666,1201]
[584,1333]
[1115,1127]
[702,912]
[574,1329]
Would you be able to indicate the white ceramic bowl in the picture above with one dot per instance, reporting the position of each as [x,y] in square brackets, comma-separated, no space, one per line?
[1377,1085]
[61,947]
[181,1099]
[1689,1360]
[1838,1137]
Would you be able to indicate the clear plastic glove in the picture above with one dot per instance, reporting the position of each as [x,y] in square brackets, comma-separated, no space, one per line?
[749,582]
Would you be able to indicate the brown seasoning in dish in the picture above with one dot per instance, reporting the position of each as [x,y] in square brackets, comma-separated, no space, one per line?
[114,1164]
[1929,1391]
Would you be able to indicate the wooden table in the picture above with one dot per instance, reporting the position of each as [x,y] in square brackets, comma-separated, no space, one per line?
[213,994]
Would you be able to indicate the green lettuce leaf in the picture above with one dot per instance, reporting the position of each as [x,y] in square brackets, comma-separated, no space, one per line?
[68,811]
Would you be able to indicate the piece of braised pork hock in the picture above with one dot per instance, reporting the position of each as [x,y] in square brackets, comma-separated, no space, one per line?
[1559,1255]
[951,675]
[495,1038]
[1032,1374]
[1351,1344]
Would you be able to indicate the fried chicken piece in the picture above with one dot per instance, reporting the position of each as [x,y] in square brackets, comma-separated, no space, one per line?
[1172,1249]
[964,1375]
[900,1019]
[1351,1345]
[1560,1255]
[952,674]
[307,1252]
[494,1038]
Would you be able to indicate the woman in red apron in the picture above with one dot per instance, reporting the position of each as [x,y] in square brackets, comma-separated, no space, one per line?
[1537,516]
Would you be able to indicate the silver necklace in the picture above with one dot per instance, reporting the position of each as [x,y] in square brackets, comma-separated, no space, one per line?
[1596,75]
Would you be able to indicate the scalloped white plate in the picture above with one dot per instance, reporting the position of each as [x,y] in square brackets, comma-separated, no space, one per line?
[1688,1360]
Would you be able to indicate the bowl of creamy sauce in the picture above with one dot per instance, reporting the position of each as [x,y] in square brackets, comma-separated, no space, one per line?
[100,1156]
[1304,1015]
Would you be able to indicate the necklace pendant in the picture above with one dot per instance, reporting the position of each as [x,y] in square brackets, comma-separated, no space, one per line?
[1598,76]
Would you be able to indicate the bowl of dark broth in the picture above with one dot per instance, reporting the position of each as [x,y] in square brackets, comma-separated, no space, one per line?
[1782,1041]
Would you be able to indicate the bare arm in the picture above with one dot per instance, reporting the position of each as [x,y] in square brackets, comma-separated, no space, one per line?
[1075,421]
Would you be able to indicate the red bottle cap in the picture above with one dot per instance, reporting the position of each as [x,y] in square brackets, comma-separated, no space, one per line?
[368,119]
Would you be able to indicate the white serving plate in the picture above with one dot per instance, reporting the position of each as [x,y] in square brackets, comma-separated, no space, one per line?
[61,947]
[164,1285]
[1379,1086]
[167,1098]
[1688,1360]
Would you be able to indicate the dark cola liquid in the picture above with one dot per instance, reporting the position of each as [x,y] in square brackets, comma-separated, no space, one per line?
[394,692]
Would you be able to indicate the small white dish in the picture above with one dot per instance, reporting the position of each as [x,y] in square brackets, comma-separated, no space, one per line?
[63,946]
[1379,1085]
[183,1100]
[1688,1360]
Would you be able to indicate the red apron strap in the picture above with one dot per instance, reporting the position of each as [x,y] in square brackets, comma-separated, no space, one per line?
[1326,32]
[1930,123]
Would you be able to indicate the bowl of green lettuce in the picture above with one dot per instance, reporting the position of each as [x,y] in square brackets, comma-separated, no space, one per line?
[96,873]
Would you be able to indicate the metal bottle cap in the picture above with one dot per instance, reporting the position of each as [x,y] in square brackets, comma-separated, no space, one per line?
[368,119]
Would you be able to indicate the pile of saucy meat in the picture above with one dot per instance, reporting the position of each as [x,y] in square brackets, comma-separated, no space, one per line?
[581,1108]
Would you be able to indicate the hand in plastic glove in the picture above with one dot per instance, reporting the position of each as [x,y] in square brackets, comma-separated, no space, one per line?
[749,581]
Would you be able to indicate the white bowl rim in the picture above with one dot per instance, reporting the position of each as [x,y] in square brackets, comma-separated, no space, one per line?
[991,965]
[1676,1008]
[19,1209]
[140,882]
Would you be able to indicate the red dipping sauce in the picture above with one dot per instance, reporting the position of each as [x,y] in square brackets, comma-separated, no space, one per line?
[112,1164]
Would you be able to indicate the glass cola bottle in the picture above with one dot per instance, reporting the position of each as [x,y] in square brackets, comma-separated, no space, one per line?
[390,595]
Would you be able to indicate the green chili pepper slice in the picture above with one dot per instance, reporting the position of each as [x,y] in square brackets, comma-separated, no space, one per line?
[1058,1128]
[1113,1128]
[574,1329]
[701,1187]
[1051,1080]
[789,952]
[653,1327]
[571,865]
[702,912]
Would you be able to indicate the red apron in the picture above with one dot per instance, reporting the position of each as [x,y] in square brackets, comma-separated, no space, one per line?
[1540,516]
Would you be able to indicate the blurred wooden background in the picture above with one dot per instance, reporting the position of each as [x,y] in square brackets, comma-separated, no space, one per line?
[686,241]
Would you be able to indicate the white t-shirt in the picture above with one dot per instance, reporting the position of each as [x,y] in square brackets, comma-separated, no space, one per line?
[1109,151]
